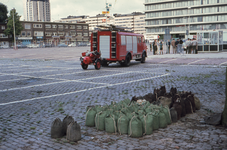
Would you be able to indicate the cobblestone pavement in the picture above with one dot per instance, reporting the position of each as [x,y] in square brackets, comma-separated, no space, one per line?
[33,92]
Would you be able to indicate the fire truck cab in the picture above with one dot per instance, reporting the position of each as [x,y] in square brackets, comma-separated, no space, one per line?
[118,45]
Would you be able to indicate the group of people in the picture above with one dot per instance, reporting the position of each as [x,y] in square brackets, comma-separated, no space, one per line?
[157,47]
[177,45]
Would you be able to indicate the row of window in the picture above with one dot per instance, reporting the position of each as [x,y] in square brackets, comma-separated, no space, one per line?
[188,20]
[28,26]
[2,35]
[187,11]
[181,4]
[3,27]
[192,28]
[40,33]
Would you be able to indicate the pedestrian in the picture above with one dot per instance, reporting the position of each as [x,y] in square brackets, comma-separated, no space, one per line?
[168,47]
[154,47]
[194,46]
[180,49]
[158,47]
[176,43]
[150,47]
[161,48]
[174,46]
[188,45]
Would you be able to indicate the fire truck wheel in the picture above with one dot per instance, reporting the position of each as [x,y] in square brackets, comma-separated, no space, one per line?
[98,64]
[84,66]
[143,59]
[127,61]
[105,64]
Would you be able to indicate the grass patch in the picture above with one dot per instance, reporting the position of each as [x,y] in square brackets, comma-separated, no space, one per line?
[32,128]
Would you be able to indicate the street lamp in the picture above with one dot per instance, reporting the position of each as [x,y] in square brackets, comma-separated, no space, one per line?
[189,8]
[14,30]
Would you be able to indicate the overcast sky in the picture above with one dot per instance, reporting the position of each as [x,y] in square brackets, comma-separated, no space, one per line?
[64,8]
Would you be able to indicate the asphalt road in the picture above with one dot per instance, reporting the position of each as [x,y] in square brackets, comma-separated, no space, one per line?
[39,85]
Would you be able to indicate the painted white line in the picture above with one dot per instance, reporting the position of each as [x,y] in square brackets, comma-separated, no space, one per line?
[51,96]
[223,63]
[195,61]
[13,80]
[167,61]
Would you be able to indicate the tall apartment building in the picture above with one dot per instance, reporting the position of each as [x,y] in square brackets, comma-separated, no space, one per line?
[178,15]
[37,10]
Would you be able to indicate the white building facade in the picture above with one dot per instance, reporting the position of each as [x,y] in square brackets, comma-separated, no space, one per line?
[179,16]
[37,10]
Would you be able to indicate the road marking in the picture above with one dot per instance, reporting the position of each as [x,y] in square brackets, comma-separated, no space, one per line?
[50,96]
[195,61]
[223,63]
[167,61]
[13,80]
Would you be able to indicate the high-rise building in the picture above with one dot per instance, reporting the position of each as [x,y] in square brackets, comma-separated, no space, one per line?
[37,10]
[184,16]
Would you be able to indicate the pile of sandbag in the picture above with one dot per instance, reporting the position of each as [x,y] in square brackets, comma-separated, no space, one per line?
[67,127]
[128,117]
[180,103]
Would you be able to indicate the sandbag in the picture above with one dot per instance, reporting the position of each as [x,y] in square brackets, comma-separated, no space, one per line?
[90,117]
[197,103]
[122,124]
[173,114]
[100,120]
[111,124]
[165,101]
[135,127]
[167,114]
[162,119]
[214,119]
[73,132]
[66,121]
[56,129]
[148,124]
[156,120]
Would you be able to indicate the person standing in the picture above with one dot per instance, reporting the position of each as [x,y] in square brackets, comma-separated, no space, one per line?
[158,46]
[174,46]
[188,45]
[161,48]
[168,47]
[194,46]
[154,47]
[180,49]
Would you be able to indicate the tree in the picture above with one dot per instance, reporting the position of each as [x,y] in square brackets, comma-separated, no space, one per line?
[18,26]
[3,13]
[224,113]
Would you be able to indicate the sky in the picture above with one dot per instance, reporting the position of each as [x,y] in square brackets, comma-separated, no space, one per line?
[63,8]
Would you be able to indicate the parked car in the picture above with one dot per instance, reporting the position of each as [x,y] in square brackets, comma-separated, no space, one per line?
[20,46]
[72,45]
[82,44]
[48,45]
[33,45]
[4,46]
[62,45]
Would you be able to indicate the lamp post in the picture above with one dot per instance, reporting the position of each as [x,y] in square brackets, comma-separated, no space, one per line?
[14,30]
[189,8]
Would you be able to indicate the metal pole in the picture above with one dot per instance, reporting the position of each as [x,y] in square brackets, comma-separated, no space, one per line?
[14,31]
[106,13]
[189,21]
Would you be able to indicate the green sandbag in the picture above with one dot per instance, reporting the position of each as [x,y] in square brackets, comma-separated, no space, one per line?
[90,117]
[122,124]
[148,124]
[98,108]
[167,114]
[111,124]
[156,120]
[135,127]
[100,120]
[162,119]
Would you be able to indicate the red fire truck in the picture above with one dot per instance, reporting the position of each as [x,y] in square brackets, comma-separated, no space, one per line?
[117,45]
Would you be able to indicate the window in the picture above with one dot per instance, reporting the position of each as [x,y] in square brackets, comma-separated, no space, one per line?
[72,26]
[54,26]
[61,33]
[2,35]
[85,27]
[3,27]
[23,33]
[27,26]
[85,34]
[37,25]
[79,27]
[54,33]
[47,26]
[38,33]
[60,26]
[28,33]
[79,34]
[66,26]
[48,33]
[123,40]
[73,33]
